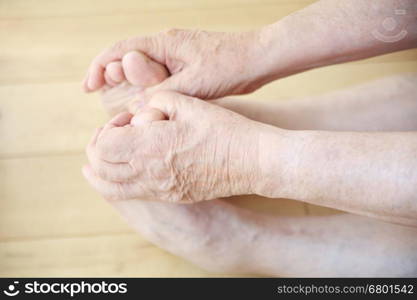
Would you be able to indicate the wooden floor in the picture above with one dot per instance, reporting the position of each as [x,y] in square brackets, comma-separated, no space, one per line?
[51,222]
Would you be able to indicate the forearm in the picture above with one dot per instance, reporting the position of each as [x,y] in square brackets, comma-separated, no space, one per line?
[372,174]
[337,245]
[329,32]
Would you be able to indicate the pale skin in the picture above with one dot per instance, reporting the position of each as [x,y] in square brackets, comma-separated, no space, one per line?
[371,179]
[210,234]
[184,159]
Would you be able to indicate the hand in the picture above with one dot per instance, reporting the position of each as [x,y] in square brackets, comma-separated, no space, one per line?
[200,152]
[207,234]
[202,64]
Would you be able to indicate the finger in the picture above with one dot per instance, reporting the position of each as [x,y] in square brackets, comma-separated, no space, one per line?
[119,144]
[95,78]
[116,141]
[116,172]
[110,171]
[142,71]
[120,120]
[115,72]
[147,45]
[111,190]
[93,140]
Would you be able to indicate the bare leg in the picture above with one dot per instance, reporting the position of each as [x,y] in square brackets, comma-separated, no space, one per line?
[223,238]
[389,104]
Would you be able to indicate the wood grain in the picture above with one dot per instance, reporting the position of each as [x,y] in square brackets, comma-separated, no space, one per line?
[51,222]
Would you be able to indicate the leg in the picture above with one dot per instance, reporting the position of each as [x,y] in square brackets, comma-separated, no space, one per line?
[220,237]
[388,104]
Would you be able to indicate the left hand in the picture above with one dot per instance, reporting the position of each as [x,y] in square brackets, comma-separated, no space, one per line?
[201,152]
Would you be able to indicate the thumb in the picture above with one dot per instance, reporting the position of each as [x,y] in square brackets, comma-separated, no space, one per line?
[173,105]
[177,82]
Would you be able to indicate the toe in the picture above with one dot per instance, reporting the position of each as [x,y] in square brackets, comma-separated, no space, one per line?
[147,114]
[115,71]
[142,71]
[95,78]
[109,81]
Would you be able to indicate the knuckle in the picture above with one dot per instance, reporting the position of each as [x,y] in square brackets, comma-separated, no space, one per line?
[139,41]
[112,144]
[118,46]
[173,32]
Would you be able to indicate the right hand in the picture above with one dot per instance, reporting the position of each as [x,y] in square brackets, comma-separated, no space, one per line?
[201,64]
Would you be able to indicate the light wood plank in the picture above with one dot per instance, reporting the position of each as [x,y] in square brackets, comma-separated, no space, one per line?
[126,255]
[53,8]
[47,197]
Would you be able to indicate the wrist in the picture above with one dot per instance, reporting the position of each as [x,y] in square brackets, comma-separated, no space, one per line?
[276,52]
[258,64]
[279,157]
[290,46]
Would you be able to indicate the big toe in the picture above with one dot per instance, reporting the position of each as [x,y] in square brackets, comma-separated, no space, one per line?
[147,114]
[141,71]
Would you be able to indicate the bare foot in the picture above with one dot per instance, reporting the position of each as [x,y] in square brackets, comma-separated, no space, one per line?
[127,78]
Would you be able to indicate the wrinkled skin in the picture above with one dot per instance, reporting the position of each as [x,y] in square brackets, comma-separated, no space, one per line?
[207,234]
[202,64]
[183,159]
[210,234]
